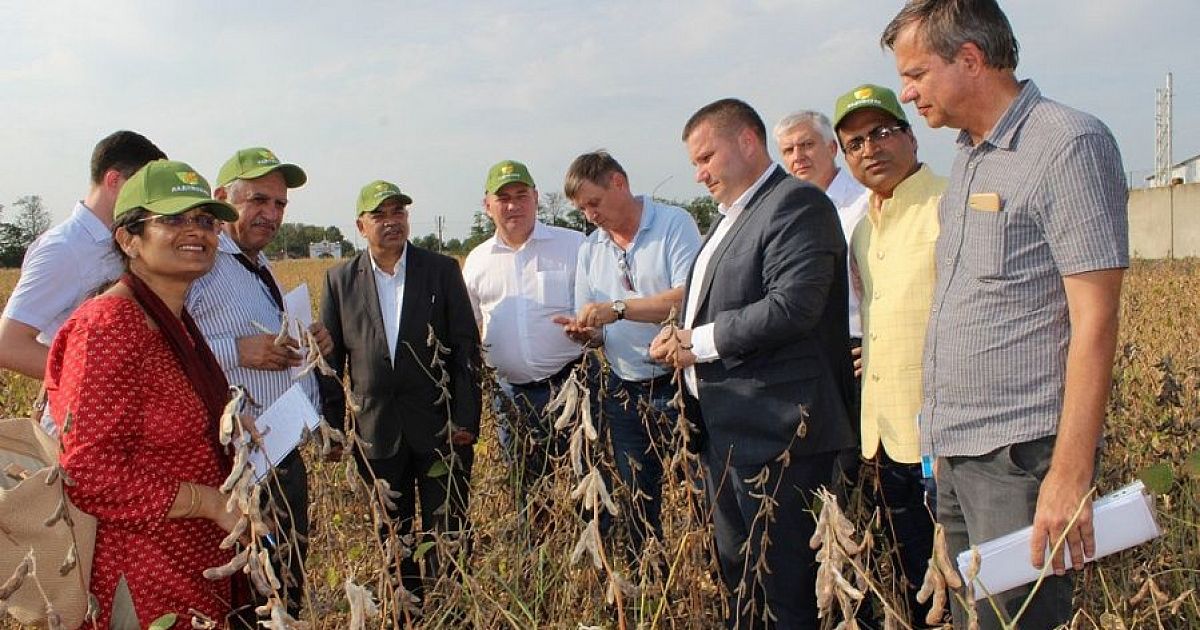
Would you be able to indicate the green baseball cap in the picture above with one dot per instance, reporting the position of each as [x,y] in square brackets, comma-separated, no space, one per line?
[255,162]
[867,95]
[507,172]
[169,187]
[376,193]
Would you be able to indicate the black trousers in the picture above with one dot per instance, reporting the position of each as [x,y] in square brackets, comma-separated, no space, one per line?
[900,494]
[442,498]
[790,586]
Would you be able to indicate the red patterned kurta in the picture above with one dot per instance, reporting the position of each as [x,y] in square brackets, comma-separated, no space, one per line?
[137,431]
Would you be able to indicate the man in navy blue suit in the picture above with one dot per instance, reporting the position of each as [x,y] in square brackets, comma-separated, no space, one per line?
[763,347]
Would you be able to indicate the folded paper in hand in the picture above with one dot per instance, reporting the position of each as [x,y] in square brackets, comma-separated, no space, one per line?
[1121,520]
[282,425]
[299,313]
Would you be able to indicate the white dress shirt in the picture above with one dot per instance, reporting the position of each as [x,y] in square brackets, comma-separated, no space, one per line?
[516,293]
[389,286]
[704,343]
[62,268]
[66,265]
[851,199]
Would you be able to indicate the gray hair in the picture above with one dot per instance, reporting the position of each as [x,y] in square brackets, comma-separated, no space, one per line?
[945,25]
[819,121]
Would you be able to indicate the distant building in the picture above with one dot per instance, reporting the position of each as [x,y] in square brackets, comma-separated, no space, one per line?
[324,249]
[1187,171]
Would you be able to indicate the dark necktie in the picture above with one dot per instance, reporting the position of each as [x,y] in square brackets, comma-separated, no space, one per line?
[264,276]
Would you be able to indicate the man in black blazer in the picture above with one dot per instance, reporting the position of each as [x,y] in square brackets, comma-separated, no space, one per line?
[763,348]
[387,310]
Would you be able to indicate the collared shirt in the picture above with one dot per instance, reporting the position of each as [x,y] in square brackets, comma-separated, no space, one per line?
[389,286]
[850,199]
[658,260]
[893,257]
[704,343]
[68,264]
[226,303]
[996,349]
[516,293]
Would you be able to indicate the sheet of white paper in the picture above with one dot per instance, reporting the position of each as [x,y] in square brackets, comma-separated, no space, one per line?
[299,313]
[282,426]
[1122,520]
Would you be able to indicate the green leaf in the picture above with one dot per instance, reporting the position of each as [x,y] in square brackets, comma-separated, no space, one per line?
[162,623]
[331,578]
[1158,478]
[438,469]
[356,552]
[1193,463]
[337,519]
[422,549]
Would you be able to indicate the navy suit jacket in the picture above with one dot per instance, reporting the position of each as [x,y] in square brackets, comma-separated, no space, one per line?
[398,403]
[775,288]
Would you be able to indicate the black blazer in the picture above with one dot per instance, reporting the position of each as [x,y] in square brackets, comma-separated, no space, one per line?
[776,290]
[398,403]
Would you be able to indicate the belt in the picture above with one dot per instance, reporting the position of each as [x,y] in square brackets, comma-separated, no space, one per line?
[560,375]
[662,380]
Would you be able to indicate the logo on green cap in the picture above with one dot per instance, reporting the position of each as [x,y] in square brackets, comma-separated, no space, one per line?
[255,162]
[867,95]
[378,191]
[507,172]
[169,187]
[189,177]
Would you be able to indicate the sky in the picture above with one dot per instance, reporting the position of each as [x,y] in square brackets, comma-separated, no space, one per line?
[430,94]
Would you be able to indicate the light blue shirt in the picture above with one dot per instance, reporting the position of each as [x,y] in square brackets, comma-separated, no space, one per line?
[658,259]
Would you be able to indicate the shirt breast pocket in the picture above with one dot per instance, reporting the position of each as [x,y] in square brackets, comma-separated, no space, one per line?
[983,243]
[554,289]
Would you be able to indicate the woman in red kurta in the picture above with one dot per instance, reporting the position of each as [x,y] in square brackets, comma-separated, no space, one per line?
[136,395]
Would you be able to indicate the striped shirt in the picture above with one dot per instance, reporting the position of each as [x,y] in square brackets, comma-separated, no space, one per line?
[1041,197]
[225,302]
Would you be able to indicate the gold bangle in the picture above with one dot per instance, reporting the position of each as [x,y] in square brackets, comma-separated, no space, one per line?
[193,501]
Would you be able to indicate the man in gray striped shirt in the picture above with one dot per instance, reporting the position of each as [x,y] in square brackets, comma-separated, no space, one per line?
[230,304]
[1023,327]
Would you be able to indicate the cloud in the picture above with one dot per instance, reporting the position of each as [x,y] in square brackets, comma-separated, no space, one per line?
[431,93]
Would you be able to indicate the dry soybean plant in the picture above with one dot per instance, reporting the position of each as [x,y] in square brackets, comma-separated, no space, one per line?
[519,572]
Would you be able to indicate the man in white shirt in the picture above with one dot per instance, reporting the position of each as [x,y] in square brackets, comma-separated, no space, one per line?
[70,262]
[519,281]
[809,147]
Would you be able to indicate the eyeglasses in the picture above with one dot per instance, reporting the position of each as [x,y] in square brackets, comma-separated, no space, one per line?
[383,214]
[855,145]
[623,265]
[204,222]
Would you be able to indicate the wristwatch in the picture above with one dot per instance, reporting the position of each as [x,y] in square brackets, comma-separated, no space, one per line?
[618,307]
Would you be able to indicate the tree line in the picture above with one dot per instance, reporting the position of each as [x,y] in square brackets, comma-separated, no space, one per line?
[555,209]
[19,228]
[28,218]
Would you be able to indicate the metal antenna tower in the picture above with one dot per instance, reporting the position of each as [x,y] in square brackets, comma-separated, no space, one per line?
[1162,136]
